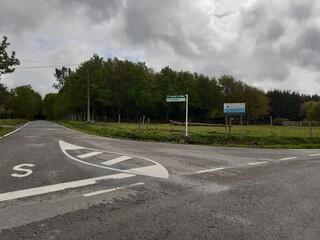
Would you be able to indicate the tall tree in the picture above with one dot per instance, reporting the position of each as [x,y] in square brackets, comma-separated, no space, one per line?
[4,94]
[285,104]
[314,112]
[48,104]
[7,62]
[24,102]
[61,76]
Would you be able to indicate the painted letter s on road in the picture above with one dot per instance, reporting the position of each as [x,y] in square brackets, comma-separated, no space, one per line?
[21,169]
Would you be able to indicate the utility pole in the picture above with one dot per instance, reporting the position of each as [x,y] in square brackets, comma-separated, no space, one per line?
[187,116]
[88,96]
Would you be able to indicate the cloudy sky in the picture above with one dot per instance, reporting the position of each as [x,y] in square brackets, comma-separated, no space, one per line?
[269,44]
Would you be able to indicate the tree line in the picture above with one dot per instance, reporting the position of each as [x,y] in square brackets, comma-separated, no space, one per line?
[133,90]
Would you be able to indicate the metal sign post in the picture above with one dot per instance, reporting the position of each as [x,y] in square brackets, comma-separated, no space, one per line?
[234,109]
[180,98]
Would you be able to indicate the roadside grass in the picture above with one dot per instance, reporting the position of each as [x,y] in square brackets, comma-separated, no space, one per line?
[12,122]
[4,131]
[9,125]
[241,136]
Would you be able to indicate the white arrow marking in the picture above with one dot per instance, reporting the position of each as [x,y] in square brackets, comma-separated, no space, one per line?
[69,146]
[90,154]
[157,170]
[151,171]
[58,187]
[116,160]
[21,169]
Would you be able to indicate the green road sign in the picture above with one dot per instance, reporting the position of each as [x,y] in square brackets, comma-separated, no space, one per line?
[176,98]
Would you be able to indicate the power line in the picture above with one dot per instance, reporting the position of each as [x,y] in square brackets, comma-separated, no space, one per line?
[52,66]
[34,61]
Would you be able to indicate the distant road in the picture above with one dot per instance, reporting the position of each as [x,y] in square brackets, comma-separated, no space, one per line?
[56,183]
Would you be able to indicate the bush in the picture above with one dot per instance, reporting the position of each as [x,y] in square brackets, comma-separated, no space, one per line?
[279,121]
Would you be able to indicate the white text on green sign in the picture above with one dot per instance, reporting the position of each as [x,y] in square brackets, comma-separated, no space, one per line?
[176,98]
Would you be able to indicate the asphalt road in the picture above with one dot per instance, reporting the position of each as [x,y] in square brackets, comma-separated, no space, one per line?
[59,184]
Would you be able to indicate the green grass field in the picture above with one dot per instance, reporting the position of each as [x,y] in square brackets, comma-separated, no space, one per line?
[4,131]
[241,136]
[245,130]
[9,125]
[12,122]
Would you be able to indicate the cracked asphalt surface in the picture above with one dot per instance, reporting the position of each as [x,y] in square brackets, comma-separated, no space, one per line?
[244,193]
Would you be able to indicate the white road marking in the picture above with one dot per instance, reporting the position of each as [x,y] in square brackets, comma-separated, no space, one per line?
[112,189]
[90,154]
[256,163]
[314,155]
[149,170]
[15,130]
[288,158]
[116,160]
[59,187]
[21,169]
[69,146]
[211,170]
[159,171]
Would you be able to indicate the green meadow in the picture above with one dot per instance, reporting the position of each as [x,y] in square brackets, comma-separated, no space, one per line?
[240,136]
[8,125]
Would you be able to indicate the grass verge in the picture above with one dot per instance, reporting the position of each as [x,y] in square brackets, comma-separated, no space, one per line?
[172,134]
[12,122]
[9,125]
[4,131]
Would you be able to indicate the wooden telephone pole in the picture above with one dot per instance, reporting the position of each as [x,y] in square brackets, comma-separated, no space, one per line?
[88,96]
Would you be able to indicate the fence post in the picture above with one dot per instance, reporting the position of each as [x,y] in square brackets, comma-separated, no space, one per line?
[143,118]
[310,129]
[226,127]
[271,125]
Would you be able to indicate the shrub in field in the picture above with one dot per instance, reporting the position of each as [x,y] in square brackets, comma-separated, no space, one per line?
[279,121]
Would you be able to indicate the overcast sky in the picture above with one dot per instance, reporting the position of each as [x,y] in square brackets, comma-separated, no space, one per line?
[269,44]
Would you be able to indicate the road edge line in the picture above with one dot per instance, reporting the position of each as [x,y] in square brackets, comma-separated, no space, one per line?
[112,189]
[8,134]
[30,192]
[211,170]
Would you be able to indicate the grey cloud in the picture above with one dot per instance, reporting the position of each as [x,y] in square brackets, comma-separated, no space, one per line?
[147,20]
[305,51]
[310,39]
[261,24]
[253,16]
[274,30]
[95,10]
[275,48]
[172,22]
[22,16]
[301,10]
[267,64]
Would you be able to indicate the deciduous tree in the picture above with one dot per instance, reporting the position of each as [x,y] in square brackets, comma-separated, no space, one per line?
[7,62]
